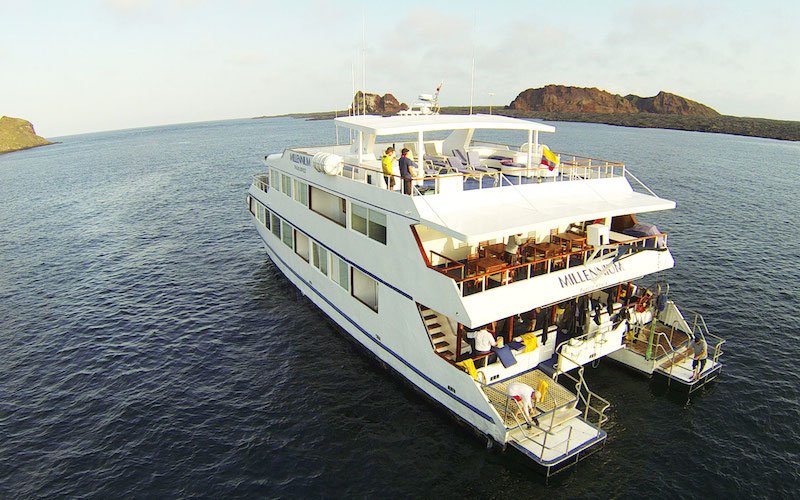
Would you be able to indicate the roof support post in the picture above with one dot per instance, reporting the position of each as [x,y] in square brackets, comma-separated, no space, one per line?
[530,141]
[536,141]
[420,151]
[360,147]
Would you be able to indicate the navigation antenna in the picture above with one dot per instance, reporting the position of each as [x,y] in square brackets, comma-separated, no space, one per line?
[364,62]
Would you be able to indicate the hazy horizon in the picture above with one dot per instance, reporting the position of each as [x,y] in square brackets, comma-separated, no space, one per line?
[117,64]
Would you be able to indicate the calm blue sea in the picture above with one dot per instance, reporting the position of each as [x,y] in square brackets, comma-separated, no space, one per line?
[149,348]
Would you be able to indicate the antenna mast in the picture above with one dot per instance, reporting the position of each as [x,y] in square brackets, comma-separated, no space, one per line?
[364,62]
[472,76]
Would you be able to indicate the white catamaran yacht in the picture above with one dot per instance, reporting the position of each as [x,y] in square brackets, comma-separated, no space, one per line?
[536,248]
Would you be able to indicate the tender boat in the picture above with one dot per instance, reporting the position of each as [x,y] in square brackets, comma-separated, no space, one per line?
[412,277]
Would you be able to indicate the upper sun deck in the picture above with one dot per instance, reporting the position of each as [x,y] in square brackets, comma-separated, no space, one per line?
[475,190]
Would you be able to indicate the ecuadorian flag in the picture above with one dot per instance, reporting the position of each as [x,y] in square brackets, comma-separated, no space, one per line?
[549,158]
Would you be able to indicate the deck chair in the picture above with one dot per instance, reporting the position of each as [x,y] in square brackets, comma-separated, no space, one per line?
[432,154]
[455,164]
[460,155]
[474,162]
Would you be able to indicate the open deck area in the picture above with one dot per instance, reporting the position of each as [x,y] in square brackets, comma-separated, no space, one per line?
[557,397]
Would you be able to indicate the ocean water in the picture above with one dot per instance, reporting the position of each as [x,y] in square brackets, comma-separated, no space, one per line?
[149,348]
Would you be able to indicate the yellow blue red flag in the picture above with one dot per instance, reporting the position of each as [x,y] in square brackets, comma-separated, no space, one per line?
[549,158]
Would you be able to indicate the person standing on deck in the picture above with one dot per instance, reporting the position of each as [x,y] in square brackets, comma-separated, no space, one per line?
[513,248]
[405,170]
[388,172]
[700,355]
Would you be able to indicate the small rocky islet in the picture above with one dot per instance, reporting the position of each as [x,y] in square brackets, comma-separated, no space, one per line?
[17,134]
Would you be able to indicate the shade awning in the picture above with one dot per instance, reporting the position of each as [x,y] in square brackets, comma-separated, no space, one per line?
[391,125]
[486,214]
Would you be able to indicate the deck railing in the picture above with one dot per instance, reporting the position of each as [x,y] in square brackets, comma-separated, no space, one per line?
[470,282]
[261,181]
[444,179]
[437,178]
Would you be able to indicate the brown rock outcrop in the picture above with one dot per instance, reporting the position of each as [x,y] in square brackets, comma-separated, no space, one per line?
[563,99]
[376,105]
[17,134]
[665,103]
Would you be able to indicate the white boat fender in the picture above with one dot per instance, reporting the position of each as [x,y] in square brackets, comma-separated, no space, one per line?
[327,163]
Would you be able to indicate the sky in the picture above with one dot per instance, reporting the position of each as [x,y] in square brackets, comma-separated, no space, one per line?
[81,66]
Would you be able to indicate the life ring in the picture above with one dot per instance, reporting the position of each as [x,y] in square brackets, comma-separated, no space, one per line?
[643,303]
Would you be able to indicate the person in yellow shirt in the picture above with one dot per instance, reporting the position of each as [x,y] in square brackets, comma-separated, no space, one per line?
[386,163]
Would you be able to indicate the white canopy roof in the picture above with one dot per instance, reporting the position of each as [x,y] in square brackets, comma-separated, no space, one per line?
[480,215]
[390,125]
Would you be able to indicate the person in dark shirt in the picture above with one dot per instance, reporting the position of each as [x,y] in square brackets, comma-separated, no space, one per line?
[405,170]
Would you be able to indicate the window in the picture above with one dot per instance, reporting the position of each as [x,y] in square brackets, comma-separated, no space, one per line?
[369,223]
[365,289]
[261,213]
[274,178]
[301,192]
[340,272]
[329,206]
[358,219]
[276,225]
[286,232]
[251,203]
[301,244]
[377,226]
[320,257]
[286,184]
[267,216]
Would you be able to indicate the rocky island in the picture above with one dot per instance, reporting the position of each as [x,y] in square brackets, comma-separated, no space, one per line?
[592,105]
[17,134]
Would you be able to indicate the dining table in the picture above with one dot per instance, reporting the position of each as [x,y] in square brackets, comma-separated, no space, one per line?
[494,250]
[488,265]
[570,240]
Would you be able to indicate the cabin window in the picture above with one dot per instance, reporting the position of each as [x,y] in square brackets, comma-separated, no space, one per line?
[286,232]
[301,244]
[276,225]
[286,185]
[250,204]
[340,272]
[274,178]
[260,216]
[358,219]
[329,206]
[320,257]
[377,226]
[267,217]
[365,289]
[301,192]
[369,222]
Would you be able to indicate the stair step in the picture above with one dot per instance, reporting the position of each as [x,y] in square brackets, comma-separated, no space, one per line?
[437,335]
[434,325]
[441,345]
[430,316]
[449,354]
